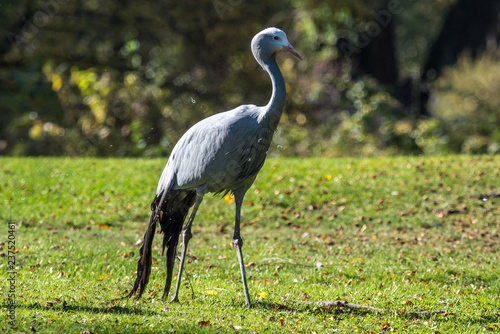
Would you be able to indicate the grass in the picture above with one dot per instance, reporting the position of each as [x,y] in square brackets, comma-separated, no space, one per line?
[399,233]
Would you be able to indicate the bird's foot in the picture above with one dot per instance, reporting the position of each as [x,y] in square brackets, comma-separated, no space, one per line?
[175,300]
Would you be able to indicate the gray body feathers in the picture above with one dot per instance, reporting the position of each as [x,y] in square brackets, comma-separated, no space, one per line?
[220,153]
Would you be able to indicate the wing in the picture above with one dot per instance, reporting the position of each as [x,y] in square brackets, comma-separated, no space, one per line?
[220,152]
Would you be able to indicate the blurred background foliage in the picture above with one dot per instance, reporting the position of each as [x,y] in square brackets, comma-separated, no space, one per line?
[128,78]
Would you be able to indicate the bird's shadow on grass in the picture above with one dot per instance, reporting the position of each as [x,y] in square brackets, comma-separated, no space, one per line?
[335,311]
[95,309]
[341,312]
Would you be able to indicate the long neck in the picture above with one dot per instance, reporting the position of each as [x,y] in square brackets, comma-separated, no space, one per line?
[277,102]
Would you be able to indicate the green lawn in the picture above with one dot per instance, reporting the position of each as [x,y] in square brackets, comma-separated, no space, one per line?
[407,233]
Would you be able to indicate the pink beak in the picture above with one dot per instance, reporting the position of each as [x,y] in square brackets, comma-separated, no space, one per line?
[292,50]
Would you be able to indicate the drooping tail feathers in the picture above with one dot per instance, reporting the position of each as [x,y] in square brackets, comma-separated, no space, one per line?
[169,209]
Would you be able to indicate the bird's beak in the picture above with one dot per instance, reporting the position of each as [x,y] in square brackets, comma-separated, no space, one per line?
[292,50]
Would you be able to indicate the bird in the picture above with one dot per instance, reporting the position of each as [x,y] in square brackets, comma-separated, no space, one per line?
[220,154]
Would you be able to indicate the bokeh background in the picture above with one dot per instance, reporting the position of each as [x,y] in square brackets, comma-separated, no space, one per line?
[128,78]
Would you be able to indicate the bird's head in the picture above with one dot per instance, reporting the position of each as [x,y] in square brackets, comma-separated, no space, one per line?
[269,41]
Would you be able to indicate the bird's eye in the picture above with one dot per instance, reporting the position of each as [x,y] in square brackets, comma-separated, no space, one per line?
[276,38]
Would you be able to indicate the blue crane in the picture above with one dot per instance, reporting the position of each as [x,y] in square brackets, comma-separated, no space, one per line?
[220,154]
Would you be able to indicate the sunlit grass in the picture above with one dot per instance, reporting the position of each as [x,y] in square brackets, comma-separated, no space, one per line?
[398,233]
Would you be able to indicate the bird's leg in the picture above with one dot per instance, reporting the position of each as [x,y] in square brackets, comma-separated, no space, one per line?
[238,244]
[186,236]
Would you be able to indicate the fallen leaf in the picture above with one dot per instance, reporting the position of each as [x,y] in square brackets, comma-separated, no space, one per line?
[212,292]
[280,307]
[204,323]
[127,254]
[262,294]
[221,229]
[51,320]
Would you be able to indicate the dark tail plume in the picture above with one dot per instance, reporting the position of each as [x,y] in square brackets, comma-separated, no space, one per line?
[170,210]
